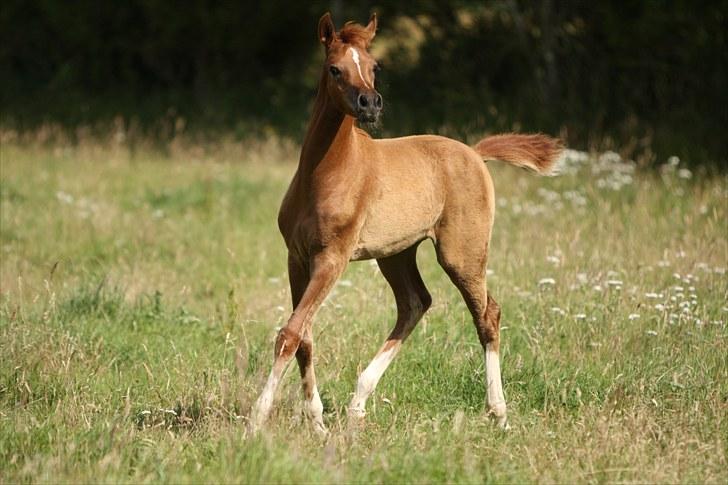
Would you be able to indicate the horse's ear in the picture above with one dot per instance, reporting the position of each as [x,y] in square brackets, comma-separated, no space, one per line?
[372,27]
[326,30]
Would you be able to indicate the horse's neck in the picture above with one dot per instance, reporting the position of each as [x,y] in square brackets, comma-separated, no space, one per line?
[328,131]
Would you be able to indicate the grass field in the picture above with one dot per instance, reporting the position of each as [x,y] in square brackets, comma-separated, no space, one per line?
[141,291]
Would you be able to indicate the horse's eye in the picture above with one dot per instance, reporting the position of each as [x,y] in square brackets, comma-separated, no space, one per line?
[335,71]
[377,68]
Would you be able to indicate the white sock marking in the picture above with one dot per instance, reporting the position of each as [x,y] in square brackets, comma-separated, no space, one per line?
[494,386]
[370,377]
[355,57]
[265,401]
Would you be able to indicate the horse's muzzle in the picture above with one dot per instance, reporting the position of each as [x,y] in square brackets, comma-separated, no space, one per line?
[368,106]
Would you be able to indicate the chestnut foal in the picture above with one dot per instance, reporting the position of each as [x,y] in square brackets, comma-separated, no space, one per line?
[354,198]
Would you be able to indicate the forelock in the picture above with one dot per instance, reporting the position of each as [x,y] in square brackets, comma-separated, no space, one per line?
[355,34]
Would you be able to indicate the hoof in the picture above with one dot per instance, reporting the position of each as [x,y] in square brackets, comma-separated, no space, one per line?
[502,422]
[498,414]
[355,421]
[320,429]
[252,430]
[256,423]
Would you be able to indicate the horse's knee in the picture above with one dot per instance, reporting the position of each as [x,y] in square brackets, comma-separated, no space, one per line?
[287,343]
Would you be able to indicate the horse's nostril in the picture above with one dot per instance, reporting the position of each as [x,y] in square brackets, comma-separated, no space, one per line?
[378,101]
[362,100]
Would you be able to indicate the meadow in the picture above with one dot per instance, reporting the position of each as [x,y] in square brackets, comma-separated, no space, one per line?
[141,289]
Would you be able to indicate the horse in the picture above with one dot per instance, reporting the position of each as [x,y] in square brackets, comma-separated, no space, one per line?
[355,198]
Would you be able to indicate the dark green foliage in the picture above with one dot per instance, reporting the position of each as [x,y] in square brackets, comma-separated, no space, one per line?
[644,77]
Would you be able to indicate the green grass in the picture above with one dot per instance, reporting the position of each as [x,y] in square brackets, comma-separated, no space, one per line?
[140,292]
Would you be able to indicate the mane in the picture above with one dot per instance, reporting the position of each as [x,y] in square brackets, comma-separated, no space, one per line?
[353,33]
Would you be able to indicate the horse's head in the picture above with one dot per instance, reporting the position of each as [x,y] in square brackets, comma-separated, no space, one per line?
[350,69]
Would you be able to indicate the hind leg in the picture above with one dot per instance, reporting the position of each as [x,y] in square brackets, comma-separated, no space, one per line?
[413,300]
[489,335]
[470,280]
[462,250]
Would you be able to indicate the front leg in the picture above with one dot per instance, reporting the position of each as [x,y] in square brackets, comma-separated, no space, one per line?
[326,267]
[299,276]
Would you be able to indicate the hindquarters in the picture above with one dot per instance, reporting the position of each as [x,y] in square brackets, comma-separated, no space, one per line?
[464,229]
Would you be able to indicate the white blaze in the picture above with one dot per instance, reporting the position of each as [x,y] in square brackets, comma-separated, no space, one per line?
[355,57]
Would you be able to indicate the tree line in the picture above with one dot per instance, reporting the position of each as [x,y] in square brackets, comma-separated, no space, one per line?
[643,77]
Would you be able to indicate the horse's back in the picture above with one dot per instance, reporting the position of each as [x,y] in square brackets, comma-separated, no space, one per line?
[416,181]
[450,164]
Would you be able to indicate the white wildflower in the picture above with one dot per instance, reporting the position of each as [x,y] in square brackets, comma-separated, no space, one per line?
[651,332]
[546,281]
[64,197]
[633,316]
[684,173]
[553,259]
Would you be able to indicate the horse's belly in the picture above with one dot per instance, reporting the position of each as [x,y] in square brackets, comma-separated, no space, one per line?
[388,232]
[382,247]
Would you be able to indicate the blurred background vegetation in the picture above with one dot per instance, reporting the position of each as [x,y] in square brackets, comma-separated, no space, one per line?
[646,78]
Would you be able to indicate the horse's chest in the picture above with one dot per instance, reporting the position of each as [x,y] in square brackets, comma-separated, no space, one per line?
[322,218]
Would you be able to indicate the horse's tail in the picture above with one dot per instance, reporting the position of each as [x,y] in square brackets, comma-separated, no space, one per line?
[535,152]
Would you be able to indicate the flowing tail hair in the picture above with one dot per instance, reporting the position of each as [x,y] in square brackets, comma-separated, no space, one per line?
[535,152]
